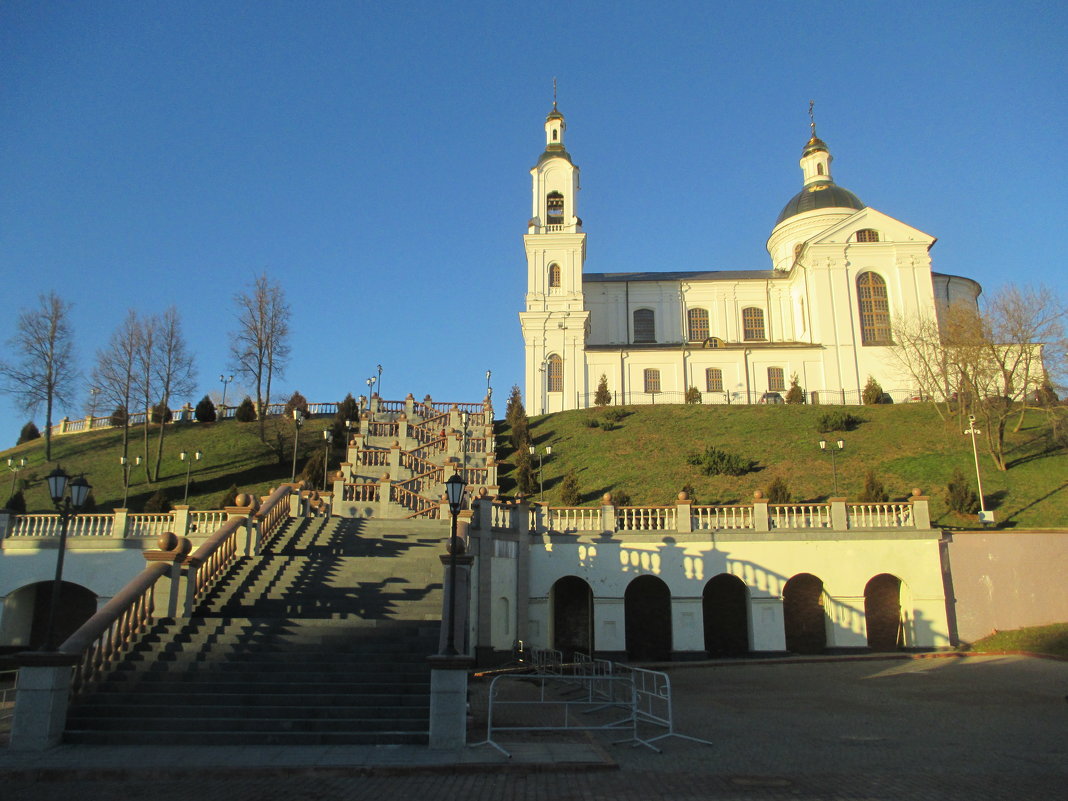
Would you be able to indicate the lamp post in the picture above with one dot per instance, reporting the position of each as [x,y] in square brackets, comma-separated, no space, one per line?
[379,380]
[67,506]
[15,466]
[329,437]
[838,445]
[370,388]
[454,492]
[535,452]
[93,392]
[125,461]
[489,389]
[188,459]
[225,381]
[298,420]
[984,515]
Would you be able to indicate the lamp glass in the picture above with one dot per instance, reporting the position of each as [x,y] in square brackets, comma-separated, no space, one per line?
[841,444]
[79,492]
[454,491]
[197,455]
[57,484]
[823,444]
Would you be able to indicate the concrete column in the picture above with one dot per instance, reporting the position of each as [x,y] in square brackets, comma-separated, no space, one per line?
[394,459]
[522,568]
[761,522]
[402,428]
[687,629]
[448,701]
[767,627]
[684,514]
[409,405]
[921,513]
[119,524]
[608,515]
[609,628]
[6,519]
[181,520]
[41,701]
[839,518]
[384,504]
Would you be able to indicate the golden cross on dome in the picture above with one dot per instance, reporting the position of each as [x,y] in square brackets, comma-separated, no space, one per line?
[554,94]
[812,117]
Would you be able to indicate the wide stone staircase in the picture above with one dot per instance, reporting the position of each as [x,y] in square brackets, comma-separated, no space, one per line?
[321,639]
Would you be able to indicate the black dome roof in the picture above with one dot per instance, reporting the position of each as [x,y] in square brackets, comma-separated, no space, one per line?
[822,195]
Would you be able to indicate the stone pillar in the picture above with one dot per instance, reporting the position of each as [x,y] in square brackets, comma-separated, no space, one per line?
[119,524]
[41,701]
[761,522]
[608,515]
[6,519]
[684,514]
[767,625]
[839,518]
[921,513]
[522,568]
[365,423]
[375,403]
[409,405]
[384,503]
[609,626]
[402,428]
[448,701]
[394,458]
[181,520]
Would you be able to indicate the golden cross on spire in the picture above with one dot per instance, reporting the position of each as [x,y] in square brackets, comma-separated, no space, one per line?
[554,94]
[812,117]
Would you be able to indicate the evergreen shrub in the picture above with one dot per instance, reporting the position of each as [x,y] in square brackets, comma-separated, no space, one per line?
[693,396]
[716,462]
[960,497]
[603,396]
[246,411]
[29,432]
[837,421]
[873,392]
[778,491]
[205,411]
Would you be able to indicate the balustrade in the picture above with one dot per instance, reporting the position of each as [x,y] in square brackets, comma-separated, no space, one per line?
[361,493]
[721,517]
[566,519]
[149,525]
[799,515]
[880,515]
[646,518]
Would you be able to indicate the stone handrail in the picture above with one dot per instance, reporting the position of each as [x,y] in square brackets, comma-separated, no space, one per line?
[645,518]
[149,524]
[213,557]
[120,524]
[799,515]
[274,510]
[50,525]
[720,517]
[566,519]
[879,515]
[420,506]
[374,457]
[105,636]
[206,520]
[364,493]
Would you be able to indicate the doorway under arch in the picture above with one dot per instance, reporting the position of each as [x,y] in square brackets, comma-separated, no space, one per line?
[572,610]
[647,606]
[882,613]
[725,609]
[29,609]
[803,614]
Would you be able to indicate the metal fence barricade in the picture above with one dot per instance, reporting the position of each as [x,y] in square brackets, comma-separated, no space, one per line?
[652,706]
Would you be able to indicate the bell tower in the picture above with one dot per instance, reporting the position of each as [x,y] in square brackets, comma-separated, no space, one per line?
[554,322]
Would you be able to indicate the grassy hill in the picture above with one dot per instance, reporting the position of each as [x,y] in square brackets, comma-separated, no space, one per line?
[907,445]
[233,454]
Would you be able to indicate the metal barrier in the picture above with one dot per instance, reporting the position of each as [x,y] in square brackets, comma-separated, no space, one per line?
[545,660]
[652,705]
[8,682]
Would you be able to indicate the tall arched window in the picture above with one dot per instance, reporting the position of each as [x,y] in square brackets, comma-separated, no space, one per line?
[644,325]
[697,325]
[652,380]
[752,323]
[554,209]
[554,275]
[867,235]
[874,309]
[713,380]
[554,373]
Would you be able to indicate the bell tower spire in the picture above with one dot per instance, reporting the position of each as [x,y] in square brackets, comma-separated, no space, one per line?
[815,158]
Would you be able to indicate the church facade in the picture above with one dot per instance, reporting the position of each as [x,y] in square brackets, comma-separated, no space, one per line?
[840,272]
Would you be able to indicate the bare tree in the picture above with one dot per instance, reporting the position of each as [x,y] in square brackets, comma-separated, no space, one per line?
[173,370]
[114,372]
[145,377]
[260,345]
[45,371]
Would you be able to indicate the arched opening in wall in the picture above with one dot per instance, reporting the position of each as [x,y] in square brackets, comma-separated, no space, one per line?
[647,606]
[644,325]
[554,373]
[882,613]
[554,275]
[554,208]
[572,608]
[874,308]
[803,614]
[76,605]
[725,608]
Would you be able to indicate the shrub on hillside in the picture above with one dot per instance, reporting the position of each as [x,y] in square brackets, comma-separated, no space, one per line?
[514,408]
[716,462]
[837,421]
[873,491]
[960,497]
[620,498]
[524,472]
[119,417]
[693,396]
[873,392]
[778,491]
[246,411]
[161,413]
[614,415]
[29,432]
[603,396]
[159,502]
[16,503]
[312,474]
[205,411]
[348,409]
[591,422]
[229,498]
[296,401]
[795,394]
[569,490]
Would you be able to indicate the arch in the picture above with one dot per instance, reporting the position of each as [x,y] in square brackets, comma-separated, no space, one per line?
[725,608]
[554,209]
[571,600]
[644,325]
[874,307]
[647,607]
[867,235]
[696,325]
[554,275]
[752,323]
[803,615]
[26,613]
[882,613]
[713,379]
[819,168]
[554,373]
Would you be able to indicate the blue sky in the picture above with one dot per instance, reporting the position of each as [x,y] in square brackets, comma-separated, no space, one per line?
[373,158]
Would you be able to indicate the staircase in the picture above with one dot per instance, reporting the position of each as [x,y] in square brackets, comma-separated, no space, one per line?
[322,639]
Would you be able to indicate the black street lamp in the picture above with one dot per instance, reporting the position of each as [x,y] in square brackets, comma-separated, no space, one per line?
[126,463]
[489,389]
[185,457]
[840,444]
[535,452]
[15,465]
[454,492]
[329,437]
[370,388]
[380,381]
[298,420]
[224,381]
[67,506]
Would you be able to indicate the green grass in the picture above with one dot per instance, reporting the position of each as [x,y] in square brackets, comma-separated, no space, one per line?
[233,454]
[1051,640]
[907,446]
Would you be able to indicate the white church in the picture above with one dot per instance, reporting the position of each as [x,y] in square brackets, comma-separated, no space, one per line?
[840,273]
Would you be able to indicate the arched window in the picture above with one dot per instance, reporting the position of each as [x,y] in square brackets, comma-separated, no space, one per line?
[713,380]
[867,235]
[776,380]
[554,209]
[874,309]
[697,323]
[554,373]
[644,325]
[819,169]
[554,275]
[652,380]
[752,323]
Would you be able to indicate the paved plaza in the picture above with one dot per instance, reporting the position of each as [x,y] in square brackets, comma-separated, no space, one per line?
[863,729]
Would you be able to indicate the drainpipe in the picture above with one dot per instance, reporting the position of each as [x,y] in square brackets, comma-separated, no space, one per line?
[748,393]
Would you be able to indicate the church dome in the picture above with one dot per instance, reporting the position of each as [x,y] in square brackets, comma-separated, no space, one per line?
[820,195]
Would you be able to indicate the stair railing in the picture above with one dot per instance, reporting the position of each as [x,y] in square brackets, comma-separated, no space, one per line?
[274,510]
[211,559]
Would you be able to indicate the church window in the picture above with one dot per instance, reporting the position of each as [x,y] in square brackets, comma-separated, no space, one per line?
[776,380]
[697,323]
[874,309]
[652,380]
[867,235]
[554,379]
[554,275]
[554,209]
[819,169]
[713,380]
[752,324]
[644,326]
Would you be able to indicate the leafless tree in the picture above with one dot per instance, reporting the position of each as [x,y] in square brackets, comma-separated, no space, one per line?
[260,345]
[174,370]
[145,372]
[44,370]
[114,372]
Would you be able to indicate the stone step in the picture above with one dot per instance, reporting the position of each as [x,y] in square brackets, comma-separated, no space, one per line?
[176,738]
[110,696]
[244,725]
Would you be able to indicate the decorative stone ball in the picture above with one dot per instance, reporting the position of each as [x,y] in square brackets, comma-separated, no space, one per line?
[396,444]
[244,499]
[683,496]
[482,492]
[184,546]
[916,492]
[607,497]
[757,495]
[460,549]
[167,541]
